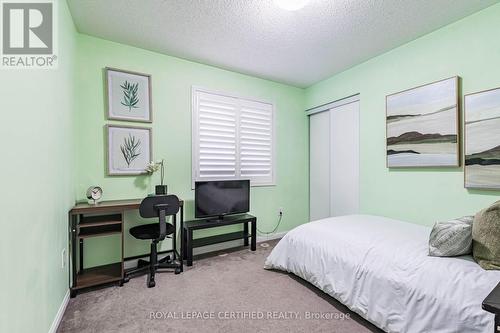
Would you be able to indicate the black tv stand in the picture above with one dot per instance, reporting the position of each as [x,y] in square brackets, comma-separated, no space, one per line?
[190,226]
[217,219]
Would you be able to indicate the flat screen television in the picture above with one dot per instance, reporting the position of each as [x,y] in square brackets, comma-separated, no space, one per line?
[220,198]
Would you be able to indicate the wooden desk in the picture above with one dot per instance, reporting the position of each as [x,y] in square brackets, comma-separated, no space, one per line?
[106,206]
[102,219]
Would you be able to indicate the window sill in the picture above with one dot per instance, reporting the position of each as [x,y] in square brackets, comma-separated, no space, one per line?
[262,185]
[251,185]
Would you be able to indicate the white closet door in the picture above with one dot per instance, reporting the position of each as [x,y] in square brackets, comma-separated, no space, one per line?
[319,165]
[344,159]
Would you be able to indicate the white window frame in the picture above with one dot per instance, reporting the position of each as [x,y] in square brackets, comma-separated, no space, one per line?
[195,138]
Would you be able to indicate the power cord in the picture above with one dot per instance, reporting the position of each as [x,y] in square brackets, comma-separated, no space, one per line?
[275,228]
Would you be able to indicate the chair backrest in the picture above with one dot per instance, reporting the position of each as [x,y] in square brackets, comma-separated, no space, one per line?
[151,206]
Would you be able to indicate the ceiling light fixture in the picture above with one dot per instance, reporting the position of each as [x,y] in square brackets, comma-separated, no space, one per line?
[291,4]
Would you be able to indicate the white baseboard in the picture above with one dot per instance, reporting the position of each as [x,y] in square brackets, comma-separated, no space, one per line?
[59,314]
[219,247]
[277,235]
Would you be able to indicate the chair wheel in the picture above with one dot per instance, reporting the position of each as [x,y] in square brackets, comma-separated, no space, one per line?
[126,279]
[178,270]
[151,284]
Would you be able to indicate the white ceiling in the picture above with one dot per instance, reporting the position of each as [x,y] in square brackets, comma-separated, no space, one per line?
[257,37]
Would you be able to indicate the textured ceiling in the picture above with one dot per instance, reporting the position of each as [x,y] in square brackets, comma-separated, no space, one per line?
[257,37]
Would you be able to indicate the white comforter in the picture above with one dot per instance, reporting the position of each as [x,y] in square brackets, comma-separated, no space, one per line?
[380,269]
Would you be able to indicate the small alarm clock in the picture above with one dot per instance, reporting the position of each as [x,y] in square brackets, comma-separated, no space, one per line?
[94,194]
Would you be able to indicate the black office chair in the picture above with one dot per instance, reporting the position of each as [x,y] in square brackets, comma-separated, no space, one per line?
[160,206]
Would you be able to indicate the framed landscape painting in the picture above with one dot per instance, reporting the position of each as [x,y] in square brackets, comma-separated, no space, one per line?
[129,95]
[129,150]
[423,126]
[482,139]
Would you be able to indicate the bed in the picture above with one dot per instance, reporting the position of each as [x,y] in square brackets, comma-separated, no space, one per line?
[380,269]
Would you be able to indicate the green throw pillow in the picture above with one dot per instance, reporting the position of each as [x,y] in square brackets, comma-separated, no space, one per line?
[486,237]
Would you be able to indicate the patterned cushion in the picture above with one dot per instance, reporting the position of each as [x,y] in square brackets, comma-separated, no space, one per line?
[451,238]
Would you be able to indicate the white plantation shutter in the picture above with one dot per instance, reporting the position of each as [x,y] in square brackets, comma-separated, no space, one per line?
[256,141]
[232,138]
[216,131]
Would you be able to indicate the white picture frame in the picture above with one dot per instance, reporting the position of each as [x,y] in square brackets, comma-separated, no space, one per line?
[128,95]
[129,150]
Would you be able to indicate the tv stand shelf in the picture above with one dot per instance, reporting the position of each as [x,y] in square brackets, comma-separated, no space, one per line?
[199,242]
[190,226]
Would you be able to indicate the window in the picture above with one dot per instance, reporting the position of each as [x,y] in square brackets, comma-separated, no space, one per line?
[233,138]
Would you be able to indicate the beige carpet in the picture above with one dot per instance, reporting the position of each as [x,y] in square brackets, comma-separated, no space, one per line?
[223,292]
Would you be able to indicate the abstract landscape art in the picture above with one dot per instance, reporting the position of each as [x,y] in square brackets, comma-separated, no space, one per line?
[129,95]
[482,140]
[129,150]
[422,126]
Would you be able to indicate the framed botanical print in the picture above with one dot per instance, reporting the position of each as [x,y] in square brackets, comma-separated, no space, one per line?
[129,150]
[129,95]
[482,139]
[422,126]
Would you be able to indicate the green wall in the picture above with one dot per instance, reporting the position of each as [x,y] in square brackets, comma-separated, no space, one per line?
[469,48]
[38,186]
[53,129]
[172,81]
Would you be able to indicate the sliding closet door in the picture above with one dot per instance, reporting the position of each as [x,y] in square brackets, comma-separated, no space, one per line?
[344,159]
[334,159]
[319,165]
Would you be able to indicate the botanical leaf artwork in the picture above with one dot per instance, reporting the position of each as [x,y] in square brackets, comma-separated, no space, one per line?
[130,149]
[130,98]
